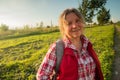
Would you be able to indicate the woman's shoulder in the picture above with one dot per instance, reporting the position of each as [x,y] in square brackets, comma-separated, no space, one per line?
[52,47]
[87,41]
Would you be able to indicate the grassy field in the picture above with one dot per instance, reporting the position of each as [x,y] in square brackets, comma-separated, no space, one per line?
[20,57]
[102,38]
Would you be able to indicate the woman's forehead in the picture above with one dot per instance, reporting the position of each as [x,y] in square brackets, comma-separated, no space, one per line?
[71,16]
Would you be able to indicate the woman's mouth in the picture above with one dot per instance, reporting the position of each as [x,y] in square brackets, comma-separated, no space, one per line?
[75,30]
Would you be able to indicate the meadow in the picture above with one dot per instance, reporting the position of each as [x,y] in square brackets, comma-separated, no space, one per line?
[21,56]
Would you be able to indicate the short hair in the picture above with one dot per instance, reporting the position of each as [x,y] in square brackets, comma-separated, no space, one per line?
[67,11]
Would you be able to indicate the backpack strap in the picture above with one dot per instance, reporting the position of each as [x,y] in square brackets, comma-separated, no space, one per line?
[59,53]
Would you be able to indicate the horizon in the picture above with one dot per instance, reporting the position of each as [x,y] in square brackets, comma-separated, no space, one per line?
[17,13]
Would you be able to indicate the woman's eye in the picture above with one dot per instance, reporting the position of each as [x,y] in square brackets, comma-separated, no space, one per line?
[77,21]
[69,23]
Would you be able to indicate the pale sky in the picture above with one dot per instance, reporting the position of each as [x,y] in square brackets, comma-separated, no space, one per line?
[16,13]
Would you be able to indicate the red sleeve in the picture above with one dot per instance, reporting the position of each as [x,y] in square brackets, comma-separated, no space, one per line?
[47,65]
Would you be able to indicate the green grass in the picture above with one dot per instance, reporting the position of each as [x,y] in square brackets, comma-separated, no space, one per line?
[20,57]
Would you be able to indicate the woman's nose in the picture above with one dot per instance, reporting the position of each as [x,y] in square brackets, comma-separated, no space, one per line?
[74,25]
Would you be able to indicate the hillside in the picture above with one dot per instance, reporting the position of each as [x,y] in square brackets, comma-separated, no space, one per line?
[20,57]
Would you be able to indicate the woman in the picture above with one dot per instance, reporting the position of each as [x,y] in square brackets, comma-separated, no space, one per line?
[79,61]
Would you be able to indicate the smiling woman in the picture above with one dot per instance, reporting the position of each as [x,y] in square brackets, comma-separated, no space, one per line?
[79,60]
[71,24]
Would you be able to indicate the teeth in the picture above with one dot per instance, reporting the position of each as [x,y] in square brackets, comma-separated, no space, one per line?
[75,30]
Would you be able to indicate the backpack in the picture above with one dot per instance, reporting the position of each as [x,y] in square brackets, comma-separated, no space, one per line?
[59,53]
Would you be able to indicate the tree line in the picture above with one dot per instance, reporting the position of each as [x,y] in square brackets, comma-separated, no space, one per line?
[89,9]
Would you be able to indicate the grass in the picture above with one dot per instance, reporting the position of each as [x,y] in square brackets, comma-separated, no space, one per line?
[21,56]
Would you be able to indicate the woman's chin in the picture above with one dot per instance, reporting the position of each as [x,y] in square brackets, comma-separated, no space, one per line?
[76,36]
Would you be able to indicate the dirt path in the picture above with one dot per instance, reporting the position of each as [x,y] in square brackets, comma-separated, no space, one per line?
[116,64]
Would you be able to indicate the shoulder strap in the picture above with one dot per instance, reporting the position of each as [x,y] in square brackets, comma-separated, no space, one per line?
[59,53]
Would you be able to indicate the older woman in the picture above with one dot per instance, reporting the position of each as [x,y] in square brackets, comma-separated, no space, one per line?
[79,61]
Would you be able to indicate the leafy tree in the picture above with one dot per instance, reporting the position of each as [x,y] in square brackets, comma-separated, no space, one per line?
[48,26]
[4,27]
[26,27]
[89,8]
[39,25]
[103,16]
[111,22]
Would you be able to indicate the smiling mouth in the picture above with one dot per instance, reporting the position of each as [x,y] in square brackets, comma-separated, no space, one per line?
[75,30]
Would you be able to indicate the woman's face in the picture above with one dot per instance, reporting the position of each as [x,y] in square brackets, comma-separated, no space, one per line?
[73,27]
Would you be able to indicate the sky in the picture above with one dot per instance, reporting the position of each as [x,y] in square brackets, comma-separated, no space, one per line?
[17,13]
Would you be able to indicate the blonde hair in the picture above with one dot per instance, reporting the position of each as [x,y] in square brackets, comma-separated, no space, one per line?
[62,18]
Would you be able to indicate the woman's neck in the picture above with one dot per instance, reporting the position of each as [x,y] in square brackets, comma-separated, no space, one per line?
[77,43]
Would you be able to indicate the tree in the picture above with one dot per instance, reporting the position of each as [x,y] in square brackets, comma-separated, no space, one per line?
[111,22]
[26,27]
[89,8]
[103,16]
[83,8]
[39,25]
[4,27]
